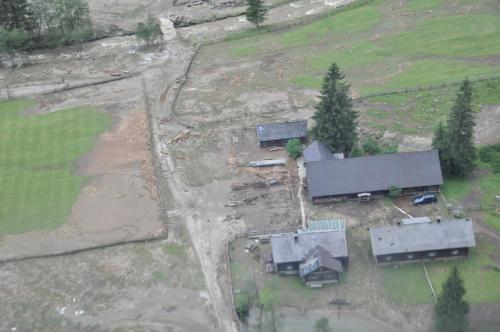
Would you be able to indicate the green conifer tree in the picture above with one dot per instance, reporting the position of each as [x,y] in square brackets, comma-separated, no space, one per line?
[335,119]
[439,142]
[16,14]
[450,311]
[457,149]
[256,12]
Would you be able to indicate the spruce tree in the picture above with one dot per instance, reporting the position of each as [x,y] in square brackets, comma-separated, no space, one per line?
[450,311]
[256,11]
[16,14]
[439,142]
[456,141]
[335,119]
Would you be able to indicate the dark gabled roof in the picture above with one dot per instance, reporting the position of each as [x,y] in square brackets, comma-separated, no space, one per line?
[425,236]
[317,151]
[374,173]
[317,258]
[294,247]
[284,130]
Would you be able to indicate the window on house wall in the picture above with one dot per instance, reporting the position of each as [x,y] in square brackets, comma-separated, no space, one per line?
[432,254]
[388,258]
[410,256]
[454,252]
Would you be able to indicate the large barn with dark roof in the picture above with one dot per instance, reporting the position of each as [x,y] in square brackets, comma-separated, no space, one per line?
[421,239]
[344,178]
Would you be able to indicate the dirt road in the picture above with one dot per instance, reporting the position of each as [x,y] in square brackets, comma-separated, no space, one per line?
[207,241]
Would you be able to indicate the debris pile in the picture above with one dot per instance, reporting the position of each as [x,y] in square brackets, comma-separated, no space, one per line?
[182,136]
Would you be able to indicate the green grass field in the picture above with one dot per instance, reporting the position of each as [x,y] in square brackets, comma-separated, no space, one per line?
[486,188]
[174,249]
[419,43]
[407,283]
[37,154]
[419,112]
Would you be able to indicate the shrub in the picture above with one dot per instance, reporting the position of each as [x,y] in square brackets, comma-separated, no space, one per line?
[294,148]
[389,149]
[266,298]
[16,39]
[149,31]
[242,304]
[322,325]
[356,151]
[491,154]
[496,165]
[371,146]
[395,191]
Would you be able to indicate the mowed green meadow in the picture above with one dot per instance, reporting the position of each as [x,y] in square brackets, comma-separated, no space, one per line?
[383,45]
[38,186]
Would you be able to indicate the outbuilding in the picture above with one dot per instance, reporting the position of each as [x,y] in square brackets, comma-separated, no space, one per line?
[318,151]
[278,134]
[420,239]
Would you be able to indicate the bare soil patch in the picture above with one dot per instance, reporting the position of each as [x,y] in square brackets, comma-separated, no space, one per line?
[131,287]
[488,125]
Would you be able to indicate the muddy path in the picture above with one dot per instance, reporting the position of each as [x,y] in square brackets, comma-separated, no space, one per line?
[186,208]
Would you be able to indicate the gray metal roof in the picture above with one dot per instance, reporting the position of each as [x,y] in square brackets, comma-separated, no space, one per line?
[317,258]
[283,130]
[416,220]
[417,237]
[286,249]
[317,151]
[373,173]
[322,225]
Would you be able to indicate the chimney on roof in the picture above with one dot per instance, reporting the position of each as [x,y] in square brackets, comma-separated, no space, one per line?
[399,223]
[296,238]
[438,219]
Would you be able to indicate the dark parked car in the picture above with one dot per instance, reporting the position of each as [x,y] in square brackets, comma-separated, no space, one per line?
[426,198]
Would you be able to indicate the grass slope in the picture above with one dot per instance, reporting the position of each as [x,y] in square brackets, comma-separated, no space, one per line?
[37,154]
[401,45]
[419,112]
[486,188]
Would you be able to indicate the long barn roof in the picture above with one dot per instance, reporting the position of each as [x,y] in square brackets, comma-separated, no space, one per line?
[374,173]
[417,237]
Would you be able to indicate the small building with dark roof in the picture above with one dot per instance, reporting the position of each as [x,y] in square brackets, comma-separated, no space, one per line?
[278,134]
[422,240]
[344,178]
[317,151]
[317,254]
[320,268]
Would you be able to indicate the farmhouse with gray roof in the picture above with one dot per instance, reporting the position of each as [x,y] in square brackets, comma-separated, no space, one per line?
[278,134]
[422,240]
[317,253]
[410,171]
